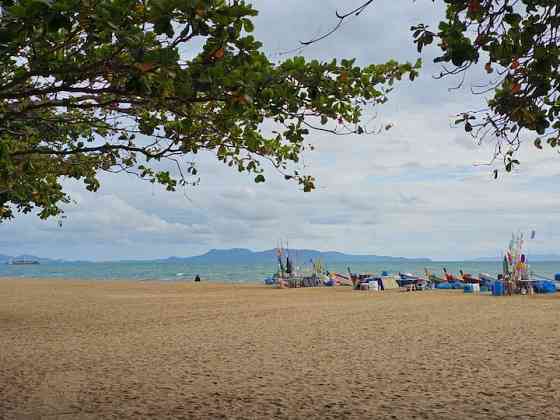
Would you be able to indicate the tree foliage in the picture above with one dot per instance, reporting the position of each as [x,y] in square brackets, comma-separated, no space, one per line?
[121,85]
[517,44]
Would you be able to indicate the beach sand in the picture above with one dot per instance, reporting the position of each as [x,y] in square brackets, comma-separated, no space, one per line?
[77,349]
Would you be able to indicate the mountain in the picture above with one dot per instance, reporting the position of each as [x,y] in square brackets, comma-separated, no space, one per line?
[530,258]
[246,256]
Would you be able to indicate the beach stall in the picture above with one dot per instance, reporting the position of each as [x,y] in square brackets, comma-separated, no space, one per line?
[389,282]
[517,277]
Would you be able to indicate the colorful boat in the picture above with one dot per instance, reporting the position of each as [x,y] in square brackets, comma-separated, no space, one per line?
[409,279]
[341,279]
[469,278]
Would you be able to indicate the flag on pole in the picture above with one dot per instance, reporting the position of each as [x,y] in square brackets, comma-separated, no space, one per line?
[533,233]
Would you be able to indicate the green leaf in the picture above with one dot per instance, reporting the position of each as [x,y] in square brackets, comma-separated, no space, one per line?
[538,143]
[248,25]
[84,79]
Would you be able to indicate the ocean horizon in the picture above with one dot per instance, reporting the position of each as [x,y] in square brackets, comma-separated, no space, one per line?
[170,270]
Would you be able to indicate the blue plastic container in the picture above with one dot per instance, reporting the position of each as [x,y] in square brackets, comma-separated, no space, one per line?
[384,273]
[544,287]
[468,288]
[557,277]
[444,285]
[498,288]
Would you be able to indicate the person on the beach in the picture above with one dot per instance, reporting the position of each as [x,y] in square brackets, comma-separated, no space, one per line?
[509,285]
[522,268]
[197,278]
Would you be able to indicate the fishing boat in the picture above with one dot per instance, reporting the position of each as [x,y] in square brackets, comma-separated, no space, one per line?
[432,279]
[289,275]
[409,279]
[450,281]
[486,279]
[357,279]
[22,262]
[469,278]
[450,277]
[341,279]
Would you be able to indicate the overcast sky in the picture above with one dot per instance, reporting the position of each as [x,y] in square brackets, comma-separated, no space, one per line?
[415,190]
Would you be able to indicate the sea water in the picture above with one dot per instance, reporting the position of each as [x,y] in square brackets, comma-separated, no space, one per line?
[250,273]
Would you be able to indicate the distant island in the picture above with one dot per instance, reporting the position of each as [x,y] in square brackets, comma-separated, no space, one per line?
[246,256]
[4,259]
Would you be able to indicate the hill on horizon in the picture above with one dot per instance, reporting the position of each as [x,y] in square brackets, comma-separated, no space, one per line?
[6,258]
[247,256]
[242,255]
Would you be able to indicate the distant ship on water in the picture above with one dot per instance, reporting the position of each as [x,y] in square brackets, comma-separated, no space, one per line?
[22,262]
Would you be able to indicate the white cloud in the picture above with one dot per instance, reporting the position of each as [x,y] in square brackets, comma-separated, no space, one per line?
[413,190]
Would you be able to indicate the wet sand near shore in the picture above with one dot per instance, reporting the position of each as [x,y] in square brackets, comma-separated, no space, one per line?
[85,350]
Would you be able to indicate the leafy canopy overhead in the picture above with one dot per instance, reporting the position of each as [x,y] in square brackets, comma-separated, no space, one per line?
[120,85]
[517,42]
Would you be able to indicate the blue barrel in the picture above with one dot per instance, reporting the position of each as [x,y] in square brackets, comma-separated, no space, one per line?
[468,288]
[550,287]
[498,288]
[386,273]
[557,277]
[544,287]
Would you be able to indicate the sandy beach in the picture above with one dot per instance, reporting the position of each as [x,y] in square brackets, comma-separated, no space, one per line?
[77,349]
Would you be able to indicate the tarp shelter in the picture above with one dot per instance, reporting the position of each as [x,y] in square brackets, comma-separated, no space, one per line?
[389,282]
